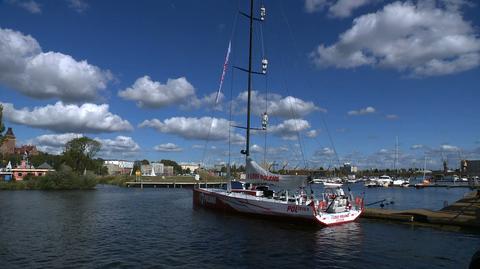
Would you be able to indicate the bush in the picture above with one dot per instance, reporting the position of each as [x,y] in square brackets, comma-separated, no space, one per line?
[63,180]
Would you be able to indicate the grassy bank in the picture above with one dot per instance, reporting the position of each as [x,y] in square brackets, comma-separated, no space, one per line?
[115,180]
[53,181]
[68,180]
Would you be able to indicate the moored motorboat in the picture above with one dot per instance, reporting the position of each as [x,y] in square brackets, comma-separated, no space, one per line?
[401,182]
[332,184]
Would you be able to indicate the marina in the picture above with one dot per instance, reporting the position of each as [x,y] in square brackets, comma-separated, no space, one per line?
[131,227]
[239,134]
[173,184]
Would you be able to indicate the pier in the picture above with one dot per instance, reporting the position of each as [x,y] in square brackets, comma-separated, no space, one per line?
[172,184]
[463,213]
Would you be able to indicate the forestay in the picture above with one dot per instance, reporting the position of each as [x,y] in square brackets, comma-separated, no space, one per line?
[256,174]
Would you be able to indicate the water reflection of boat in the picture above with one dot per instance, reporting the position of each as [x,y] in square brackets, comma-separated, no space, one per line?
[340,241]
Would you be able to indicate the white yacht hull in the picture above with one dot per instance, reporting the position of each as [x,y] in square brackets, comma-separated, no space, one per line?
[222,200]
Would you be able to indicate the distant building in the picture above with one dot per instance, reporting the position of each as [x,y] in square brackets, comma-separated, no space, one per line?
[118,167]
[348,168]
[158,168]
[24,169]
[470,167]
[192,167]
[217,169]
[8,146]
[146,170]
[168,170]
[120,163]
[113,169]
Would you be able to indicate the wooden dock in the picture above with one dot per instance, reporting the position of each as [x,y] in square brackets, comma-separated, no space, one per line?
[463,213]
[172,184]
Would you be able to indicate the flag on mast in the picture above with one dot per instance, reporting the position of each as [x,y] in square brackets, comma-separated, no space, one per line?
[225,65]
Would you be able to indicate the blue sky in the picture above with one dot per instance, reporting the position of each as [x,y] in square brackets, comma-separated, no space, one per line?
[141,78]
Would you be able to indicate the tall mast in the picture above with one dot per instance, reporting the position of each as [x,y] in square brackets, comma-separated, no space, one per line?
[396,156]
[425,167]
[247,150]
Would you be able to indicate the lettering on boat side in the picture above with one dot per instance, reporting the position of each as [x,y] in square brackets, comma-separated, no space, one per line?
[263,177]
[206,199]
[340,216]
[296,208]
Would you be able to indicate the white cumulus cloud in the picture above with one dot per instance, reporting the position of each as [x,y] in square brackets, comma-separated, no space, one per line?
[29,5]
[449,148]
[154,94]
[417,146]
[168,147]
[418,39]
[312,133]
[392,117]
[53,143]
[324,152]
[60,117]
[78,5]
[288,107]
[336,8]
[121,146]
[362,111]
[195,128]
[25,68]
[289,129]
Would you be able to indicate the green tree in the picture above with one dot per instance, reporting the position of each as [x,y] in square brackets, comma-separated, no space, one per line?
[53,160]
[79,153]
[145,162]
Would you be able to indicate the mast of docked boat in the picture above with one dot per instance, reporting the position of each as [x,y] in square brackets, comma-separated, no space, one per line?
[249,86]
[251,18]
[395,168]
[425,168]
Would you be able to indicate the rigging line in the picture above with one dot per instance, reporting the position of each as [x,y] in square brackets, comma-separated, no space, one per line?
[266,94]
[266,132]
[331,140]
[295,44]
[262,40]
[294,115]
[230,122]
[219,90]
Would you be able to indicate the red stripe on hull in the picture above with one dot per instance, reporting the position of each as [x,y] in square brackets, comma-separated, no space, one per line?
[205,199]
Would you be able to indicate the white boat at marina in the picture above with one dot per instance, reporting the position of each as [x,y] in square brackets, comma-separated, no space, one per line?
[332,184]
[401,182]
[289,200]
[385,181]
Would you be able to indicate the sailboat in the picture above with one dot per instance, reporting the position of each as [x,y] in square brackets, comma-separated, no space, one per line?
[253,195]
[424,182]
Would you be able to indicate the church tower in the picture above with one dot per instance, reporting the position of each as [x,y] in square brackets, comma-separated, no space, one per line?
[8,145]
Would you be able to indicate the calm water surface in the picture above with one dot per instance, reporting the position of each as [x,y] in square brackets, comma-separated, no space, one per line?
[157,228]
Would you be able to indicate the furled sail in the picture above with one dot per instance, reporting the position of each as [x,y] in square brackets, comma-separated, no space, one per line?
[256,174]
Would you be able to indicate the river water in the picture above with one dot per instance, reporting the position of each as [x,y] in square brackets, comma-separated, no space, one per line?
[113,227]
